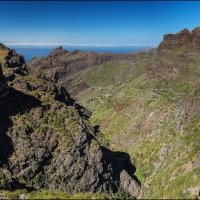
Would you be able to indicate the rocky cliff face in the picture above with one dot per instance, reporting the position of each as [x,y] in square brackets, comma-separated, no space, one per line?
[184,37]
[195,35]
[176,56]
[155,117]
[3,86]
[172,41]
[61,66]
[1,74]
[47,141]
[63,63]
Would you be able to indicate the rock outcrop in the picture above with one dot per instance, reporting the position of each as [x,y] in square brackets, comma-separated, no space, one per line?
[61,63]
[1,74]
[173,41]
[58,52]
[159,69]
[15,62]
[3,87]
[3,47]
[176,55]
[61,66]
[195,34]
[46,140]
[12,63]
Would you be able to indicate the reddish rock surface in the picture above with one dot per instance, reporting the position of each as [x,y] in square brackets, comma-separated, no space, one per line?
[60,65]
[180,62]
[196,37]
[173,41]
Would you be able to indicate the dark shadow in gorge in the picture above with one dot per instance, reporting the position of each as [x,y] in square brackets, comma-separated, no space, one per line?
[14,103]
[120,161]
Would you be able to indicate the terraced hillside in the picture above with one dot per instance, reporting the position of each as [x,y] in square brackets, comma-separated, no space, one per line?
[157,123]
[155,117]
[148,105]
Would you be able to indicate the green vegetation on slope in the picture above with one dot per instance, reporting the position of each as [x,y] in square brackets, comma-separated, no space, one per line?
[46,194]
[157,122]
[50,146]
[114,71]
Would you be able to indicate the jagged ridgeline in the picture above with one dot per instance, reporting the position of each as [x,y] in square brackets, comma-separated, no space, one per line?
[147,105]
[144,104]
[46,141]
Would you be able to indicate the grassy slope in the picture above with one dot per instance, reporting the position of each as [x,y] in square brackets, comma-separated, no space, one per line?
[156,121]
[110,72]
[46,194]
[114,71]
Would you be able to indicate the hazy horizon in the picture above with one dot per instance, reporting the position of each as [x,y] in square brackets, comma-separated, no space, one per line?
[29,52]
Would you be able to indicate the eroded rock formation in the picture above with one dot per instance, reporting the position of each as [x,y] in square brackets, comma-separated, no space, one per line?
[173,41]
[46,140]
[195,34]
[61,66]
[176,55]
[3,87]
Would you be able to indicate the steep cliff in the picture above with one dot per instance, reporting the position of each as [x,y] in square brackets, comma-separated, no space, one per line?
[184,37]
[154,116]
[69,68]
[47,141]
[178,57]
[3,87]
[147,106]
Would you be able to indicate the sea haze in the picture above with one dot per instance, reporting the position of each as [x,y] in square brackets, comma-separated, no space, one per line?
[30,51]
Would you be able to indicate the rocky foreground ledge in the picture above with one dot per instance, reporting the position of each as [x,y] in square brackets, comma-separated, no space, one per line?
[3,87]
[46,140]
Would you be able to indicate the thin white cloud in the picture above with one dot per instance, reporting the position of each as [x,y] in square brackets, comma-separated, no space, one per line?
[78,45]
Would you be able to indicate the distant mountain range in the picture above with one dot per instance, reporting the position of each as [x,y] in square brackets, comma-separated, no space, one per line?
[78,124]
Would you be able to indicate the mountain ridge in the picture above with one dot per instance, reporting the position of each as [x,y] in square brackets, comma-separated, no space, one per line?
[144,105]
[172,41]
[46,140]
[152,102]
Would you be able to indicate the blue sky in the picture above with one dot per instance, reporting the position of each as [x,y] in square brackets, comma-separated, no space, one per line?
[95,22]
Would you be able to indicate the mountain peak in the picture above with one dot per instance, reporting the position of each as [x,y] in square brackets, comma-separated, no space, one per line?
[3,47]
[58,51]
[196,30]
[75,52]
[173,41]
[196,37]
[185,30]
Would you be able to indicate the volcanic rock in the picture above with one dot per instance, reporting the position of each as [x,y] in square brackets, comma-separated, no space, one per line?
[58,52]
[172,41]
[180,46]
[196,37]
[46,140]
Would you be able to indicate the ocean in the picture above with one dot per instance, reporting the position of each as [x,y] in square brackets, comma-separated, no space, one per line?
[38,51]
